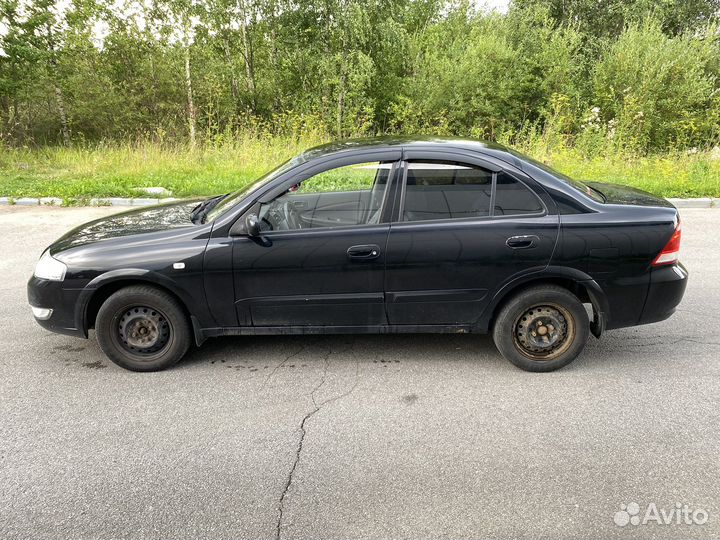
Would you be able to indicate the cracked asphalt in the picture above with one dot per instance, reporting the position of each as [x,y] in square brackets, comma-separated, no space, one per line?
[395,436]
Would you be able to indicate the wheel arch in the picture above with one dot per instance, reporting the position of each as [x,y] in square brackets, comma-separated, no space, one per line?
[103,286]
[584,287]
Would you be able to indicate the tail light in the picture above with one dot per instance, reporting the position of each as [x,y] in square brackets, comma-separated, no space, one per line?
[670,253]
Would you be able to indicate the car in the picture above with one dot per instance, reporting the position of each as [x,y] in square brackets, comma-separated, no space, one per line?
[383,235]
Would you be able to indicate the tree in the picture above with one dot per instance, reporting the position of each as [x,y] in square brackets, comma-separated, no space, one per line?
[608,18]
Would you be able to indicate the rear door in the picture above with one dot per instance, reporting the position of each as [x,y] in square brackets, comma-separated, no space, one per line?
[463,228]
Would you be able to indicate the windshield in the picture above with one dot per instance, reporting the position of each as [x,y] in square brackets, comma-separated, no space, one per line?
[582,187]
[231,200]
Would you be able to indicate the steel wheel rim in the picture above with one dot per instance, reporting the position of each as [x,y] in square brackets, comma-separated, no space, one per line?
[543,332]
[143,331]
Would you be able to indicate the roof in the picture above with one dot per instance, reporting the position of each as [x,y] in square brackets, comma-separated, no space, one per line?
[396,140]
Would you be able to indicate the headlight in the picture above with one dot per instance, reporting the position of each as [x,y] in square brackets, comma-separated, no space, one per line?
[49,268]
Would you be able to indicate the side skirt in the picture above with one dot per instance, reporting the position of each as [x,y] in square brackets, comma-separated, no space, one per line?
[297,330]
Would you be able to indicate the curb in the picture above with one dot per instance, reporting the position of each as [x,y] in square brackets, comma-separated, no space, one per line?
[110,201]
[702,202]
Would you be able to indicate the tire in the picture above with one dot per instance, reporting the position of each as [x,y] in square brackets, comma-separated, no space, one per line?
[142,328]
[542,328]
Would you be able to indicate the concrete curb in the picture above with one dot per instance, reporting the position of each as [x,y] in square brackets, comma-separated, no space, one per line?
[702,202]
[109,201]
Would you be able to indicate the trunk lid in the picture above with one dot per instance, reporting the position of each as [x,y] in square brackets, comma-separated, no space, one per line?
[619,194]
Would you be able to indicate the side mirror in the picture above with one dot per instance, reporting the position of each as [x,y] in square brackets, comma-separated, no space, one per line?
[252,225]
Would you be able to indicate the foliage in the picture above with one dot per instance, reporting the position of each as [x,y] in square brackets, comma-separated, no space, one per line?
[100,97]
[484,75]
[608,18]
[659,92]
[211,71]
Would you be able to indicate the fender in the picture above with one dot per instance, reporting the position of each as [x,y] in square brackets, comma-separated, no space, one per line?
[601,307]
[121,274]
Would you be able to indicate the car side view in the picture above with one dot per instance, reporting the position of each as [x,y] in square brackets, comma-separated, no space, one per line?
[381,235]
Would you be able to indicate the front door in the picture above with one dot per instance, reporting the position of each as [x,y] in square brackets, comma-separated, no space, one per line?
[462,231]
[320,258]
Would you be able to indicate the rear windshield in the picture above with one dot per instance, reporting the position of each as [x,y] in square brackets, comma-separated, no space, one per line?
[582,187]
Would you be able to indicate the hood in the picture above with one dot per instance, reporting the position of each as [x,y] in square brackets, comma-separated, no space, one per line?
[618,194]
[147,219]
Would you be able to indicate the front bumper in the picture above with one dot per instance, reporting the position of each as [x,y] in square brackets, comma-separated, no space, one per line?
[667,287]
[43,293]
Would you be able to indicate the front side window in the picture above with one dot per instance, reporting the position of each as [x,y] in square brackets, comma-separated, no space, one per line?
[350,195]
[452,190]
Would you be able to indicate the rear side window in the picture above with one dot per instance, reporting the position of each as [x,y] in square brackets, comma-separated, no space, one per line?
[446,190]
[513,197]
[452,190]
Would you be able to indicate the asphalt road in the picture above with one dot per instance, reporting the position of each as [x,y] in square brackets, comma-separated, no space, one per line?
[396,436]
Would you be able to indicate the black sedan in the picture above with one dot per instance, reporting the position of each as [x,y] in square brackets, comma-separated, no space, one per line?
[372,236]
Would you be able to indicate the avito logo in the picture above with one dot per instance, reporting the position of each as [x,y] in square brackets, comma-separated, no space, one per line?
[680,514]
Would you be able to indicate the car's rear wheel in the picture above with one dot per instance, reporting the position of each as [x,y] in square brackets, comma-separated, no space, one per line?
[142,328]
[542,328]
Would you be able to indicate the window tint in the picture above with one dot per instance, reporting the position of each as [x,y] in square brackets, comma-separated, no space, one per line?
[444,190]
[513,197]
[350,195]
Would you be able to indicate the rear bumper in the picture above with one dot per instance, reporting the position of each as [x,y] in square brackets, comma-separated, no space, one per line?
[46,294]
[667,287]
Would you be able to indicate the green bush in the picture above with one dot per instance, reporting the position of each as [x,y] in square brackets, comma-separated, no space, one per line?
[656,92]
[484,75]
[628,76]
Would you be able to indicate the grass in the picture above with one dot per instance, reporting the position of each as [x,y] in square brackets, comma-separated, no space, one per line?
[116,170]
[676,174]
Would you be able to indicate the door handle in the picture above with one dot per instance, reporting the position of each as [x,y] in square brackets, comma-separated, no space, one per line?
[522,242]
[364,252]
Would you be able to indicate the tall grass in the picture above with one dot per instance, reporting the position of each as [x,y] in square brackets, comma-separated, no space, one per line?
[694,173]
[118,169]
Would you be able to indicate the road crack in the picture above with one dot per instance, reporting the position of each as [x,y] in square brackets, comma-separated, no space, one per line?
[668,341]
[280,365]
[700,341]
[303,431]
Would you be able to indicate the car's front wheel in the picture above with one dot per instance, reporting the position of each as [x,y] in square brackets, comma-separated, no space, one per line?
[543,328]
[142,328]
